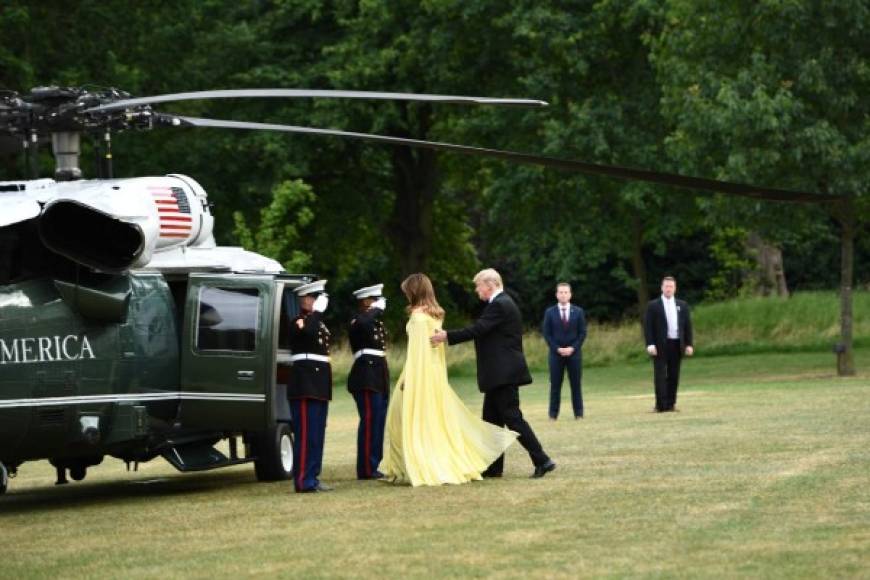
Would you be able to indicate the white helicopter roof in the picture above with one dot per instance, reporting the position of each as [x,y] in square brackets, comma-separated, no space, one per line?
[176,225]
[215,259]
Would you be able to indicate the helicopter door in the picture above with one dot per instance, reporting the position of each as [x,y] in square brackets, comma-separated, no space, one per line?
[227,354]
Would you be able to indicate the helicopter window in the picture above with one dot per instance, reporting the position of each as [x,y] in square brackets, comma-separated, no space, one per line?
[228,319]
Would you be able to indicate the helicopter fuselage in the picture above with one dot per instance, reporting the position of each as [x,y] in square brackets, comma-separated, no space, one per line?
[141,366]
[126,331]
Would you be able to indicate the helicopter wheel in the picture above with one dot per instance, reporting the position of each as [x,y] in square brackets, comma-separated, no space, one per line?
[4,479]
[78,472]
[274,451]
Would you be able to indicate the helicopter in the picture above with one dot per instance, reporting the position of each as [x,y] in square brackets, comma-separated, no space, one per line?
[125,330]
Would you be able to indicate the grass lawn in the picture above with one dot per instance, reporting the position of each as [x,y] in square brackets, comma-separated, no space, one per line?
[765,472]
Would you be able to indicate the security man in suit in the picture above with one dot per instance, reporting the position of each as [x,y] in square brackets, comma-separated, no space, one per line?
[310,386]
[667,327]
[564,329]
[369,378]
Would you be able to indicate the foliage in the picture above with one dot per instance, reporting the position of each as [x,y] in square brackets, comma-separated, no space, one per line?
[769,92]
[766,92]
[278,232]
[729,251]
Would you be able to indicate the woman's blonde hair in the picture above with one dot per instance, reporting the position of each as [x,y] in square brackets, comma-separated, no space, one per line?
[420,293]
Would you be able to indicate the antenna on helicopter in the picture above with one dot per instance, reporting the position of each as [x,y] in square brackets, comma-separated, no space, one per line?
[66,147]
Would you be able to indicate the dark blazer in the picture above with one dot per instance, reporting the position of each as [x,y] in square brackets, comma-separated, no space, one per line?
[309,378]
[655,325]
[498,342]
[558,335]
[369,372]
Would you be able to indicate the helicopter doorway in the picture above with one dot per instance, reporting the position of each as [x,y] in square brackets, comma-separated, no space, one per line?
[227,352]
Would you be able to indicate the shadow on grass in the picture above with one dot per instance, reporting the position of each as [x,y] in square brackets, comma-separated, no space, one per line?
[73,495]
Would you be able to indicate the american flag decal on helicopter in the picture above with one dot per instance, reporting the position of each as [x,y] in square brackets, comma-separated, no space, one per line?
[173,210]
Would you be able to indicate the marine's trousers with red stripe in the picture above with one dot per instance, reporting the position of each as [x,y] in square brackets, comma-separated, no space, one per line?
[372,407]
[309,434]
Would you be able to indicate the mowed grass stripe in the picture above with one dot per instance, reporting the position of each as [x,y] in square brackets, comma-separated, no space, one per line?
[764,473]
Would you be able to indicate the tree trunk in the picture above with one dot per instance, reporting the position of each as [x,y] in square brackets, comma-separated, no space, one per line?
[638,265]
[845,353]
[769,277]
[411,226]
[415,179]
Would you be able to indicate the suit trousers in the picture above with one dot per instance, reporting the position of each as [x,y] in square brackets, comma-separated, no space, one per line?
[558,365]
[501,406]
[372,408]
[666,374]
[309,433]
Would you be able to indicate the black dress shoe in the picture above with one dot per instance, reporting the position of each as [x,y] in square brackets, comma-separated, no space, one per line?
[487,475]
[320,487]
[542,470]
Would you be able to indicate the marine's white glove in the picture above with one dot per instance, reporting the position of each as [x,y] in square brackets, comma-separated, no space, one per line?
[652,350]
[320,303]
[380,303]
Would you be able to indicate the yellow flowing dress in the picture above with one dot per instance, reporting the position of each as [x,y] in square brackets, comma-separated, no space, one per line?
[432,437]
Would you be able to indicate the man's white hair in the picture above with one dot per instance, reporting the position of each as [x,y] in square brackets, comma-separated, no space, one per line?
[489,276]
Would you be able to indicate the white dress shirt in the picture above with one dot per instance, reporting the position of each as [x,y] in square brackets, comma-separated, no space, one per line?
[494,294]
[671,315]
[564,312]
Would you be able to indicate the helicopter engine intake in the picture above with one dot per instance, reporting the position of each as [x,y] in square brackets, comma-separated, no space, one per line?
[110,225]
[90,237]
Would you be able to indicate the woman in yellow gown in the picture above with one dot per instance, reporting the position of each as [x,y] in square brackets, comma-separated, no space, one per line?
[433,438]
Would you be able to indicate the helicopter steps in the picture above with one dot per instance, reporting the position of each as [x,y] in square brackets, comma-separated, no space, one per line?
[199,457]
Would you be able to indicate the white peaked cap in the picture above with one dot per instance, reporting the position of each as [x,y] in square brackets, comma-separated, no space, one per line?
[313,288]
[375,291]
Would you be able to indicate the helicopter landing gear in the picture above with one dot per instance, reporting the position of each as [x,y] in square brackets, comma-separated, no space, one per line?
[60,470]
[274,451]
[78,472]
[77,468]
[4,479]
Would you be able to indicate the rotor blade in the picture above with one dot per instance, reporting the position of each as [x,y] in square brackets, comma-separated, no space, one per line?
[671,179]
[305,93]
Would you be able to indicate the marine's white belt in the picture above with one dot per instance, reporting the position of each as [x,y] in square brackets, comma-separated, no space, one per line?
[309,356]
[371,351]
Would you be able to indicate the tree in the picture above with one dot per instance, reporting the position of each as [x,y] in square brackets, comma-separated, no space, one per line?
[773,92]
[277,234]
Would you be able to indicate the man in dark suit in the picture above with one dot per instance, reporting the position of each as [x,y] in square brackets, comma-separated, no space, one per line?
[667,327]
[501,366]
[564,329]
[369,379]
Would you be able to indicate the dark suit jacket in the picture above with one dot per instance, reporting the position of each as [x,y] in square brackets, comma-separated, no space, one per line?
[559,335]
[655,325]
[498,342]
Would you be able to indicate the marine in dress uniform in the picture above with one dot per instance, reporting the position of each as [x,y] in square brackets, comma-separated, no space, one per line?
[310,386]
[369,379]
